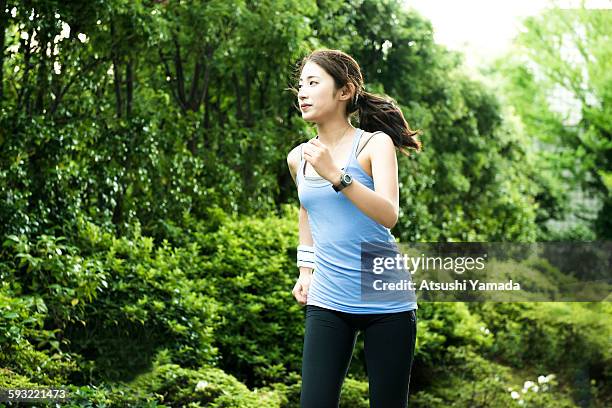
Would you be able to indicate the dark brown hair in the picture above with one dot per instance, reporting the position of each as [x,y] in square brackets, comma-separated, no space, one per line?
[376,112]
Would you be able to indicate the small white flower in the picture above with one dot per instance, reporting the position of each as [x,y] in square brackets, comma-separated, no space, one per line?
[82,37]
[515,395]
[24,35]
[535,388]
[521,402]
[14,12]
[33,42]
[201,385]
[542,379]
[65,30]
[528,384]
[57,67]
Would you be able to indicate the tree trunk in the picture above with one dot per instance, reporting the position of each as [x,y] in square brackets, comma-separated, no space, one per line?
[129,79]
[180,78]
[247,97]
[116,72]
[41,80]
[239,113]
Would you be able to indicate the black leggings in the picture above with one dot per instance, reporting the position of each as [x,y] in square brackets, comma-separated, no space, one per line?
[389,340]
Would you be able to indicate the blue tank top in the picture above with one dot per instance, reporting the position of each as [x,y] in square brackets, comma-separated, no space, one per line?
[338,229]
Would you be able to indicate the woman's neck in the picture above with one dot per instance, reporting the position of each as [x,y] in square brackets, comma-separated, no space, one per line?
[332,134]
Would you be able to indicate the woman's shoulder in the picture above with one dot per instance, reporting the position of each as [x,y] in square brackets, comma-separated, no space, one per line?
[375,137]
[293,160]
[295,155]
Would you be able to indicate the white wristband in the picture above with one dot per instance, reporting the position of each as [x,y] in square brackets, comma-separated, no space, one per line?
[305,256]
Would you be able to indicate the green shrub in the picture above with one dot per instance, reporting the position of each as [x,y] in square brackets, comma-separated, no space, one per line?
[251,264]
[155,300]
[354,394]
[112,301]
[551,335]
[28,351]
[203,387]
[474,381]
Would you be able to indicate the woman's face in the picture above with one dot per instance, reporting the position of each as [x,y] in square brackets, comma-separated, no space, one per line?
[316,88]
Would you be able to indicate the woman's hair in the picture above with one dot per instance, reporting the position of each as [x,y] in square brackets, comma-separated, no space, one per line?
[376,112]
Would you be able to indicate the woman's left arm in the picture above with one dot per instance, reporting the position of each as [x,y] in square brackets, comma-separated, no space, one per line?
[382,204]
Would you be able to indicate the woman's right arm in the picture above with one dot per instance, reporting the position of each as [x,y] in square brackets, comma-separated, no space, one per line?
[305,236]
[300,290]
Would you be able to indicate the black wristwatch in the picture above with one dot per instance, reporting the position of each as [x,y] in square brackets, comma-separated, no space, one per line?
[345,180]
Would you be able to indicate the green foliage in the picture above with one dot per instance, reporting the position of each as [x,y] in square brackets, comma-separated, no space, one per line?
[550,335]
[445,324]
[251,262]
[220,290]
[472,181]
[204,387]
[354,394]
[482,383]
[114,301]
[563,61]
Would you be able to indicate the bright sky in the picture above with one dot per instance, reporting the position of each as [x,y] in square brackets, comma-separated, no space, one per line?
[483,29]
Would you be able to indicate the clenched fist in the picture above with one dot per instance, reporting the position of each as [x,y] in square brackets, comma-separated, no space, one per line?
[319,157]
[300,290]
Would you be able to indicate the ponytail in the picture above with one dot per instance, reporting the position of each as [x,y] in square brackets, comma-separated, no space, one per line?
[380,113]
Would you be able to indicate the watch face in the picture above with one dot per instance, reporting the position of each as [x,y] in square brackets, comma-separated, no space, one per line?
[347,178]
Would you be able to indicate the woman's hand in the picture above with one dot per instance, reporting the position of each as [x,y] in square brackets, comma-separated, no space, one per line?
[319,157]
[300,290]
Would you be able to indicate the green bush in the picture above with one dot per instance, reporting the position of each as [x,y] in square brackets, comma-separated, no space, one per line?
[443,325]
[30,352]
[114,301]
[126,321]
[354,394]
[474,381]
[251,263]
[203,387]
[551,335]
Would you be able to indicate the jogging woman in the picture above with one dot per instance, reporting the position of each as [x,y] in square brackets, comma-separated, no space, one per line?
[347,182]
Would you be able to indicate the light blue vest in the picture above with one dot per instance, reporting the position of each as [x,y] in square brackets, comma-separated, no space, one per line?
[338,229]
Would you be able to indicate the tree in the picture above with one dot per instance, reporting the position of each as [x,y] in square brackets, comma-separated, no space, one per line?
[571,50]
